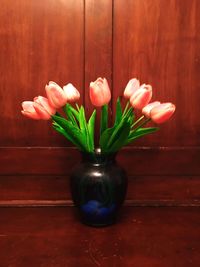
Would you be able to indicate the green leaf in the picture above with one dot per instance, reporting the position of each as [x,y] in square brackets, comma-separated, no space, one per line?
[131,117]
[72,133]
[122,137]
[73,111]
[141,132]
[91,126]
[70,114]
[110,136]
[57,114]
[118,116]
[128,113]
[104,119]
[118,128]
[105,137]
[60,130]
[66,135]
[84,129]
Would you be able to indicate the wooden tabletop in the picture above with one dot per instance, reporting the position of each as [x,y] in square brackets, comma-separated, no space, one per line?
[142,237]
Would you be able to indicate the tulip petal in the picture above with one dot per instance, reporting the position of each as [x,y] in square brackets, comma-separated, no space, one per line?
[44,115]
[147,109]
[162,112]
[71,93]
[141,97]
[55,95]
[30,115]
[29,110]
[100,92]
[28,106]
[132,86]
[43,101]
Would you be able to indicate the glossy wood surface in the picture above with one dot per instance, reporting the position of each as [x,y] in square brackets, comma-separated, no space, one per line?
[137,161]
[77,41]
[105,43]
[143,237]
[40,41]
[37,190]
[98,50]
[87,39]
[158,42]
[98,43]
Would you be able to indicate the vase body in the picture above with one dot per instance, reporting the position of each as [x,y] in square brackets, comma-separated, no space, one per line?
[98,187]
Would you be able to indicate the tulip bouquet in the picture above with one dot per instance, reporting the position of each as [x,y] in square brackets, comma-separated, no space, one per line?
[80,131]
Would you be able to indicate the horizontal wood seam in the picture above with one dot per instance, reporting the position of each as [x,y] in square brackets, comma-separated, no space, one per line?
[125,148]
[129,202]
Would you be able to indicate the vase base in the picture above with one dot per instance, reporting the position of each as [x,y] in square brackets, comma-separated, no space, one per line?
[98,222]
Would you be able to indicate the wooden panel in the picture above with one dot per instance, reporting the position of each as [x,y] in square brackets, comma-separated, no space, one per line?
[98,42]
[32,190]
[136,161]
[158,42]
[98,47]
[40,41]
[40,176]
[72,41]
[143,237]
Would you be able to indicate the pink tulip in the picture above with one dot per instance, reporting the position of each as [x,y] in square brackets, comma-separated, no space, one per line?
[147,109]
[44,115]
[43,108]
[100,92]
[132,86]
[43,101]
[29,110]
[71,93]
[56,95]
[141,97]
[162,112]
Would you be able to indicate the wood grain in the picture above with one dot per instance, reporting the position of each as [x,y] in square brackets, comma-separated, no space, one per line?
[78,41]
[158,42]
[98,42]
[143,237]
[40,176]
[137,161]
[98,48]
[40,41]
[33,190]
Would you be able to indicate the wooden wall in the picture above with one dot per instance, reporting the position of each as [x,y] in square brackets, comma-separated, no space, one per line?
[77,41]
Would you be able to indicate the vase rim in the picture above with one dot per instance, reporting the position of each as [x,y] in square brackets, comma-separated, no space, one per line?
[98,157]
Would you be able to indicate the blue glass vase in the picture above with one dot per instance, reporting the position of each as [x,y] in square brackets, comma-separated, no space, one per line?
[98,187]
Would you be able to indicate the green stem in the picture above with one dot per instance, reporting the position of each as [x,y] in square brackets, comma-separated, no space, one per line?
[104,119]
[77,106]
[143,123]
[126,107]
[139,120]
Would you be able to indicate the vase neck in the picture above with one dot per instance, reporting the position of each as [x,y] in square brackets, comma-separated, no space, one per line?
[98,157]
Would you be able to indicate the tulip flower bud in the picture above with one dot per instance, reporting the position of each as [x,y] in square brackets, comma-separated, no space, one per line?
[141,97]
[162,112]
[29,110]
[132,86]
[43,101]
[43,108]
[56,95]
[44,115]
[71,93]
[147,109]
[100,92]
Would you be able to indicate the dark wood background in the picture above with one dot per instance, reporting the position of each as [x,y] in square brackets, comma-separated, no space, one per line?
[77,41]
